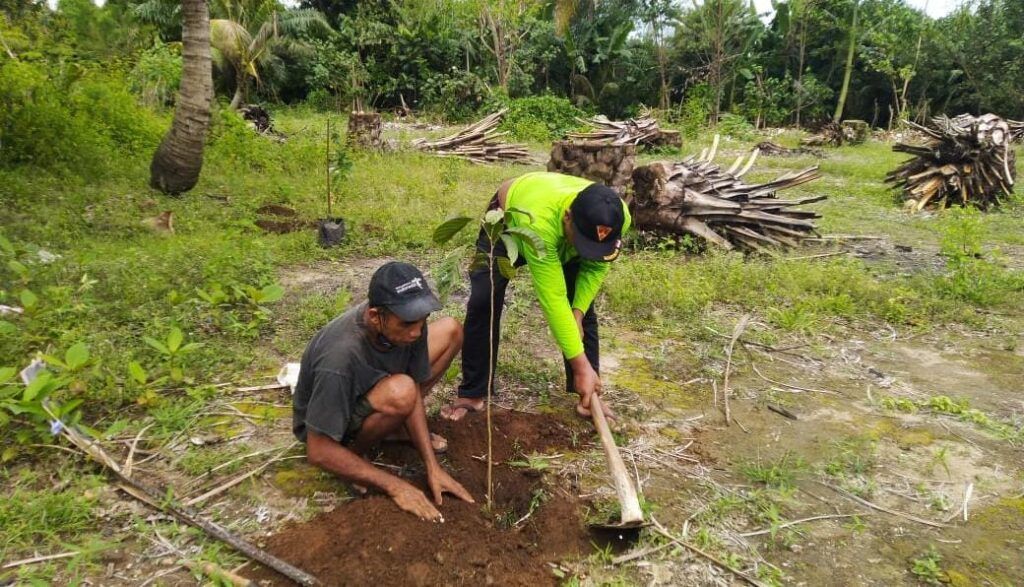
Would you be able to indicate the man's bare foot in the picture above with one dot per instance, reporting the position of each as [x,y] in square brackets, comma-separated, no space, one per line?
[437,442]
[458,409]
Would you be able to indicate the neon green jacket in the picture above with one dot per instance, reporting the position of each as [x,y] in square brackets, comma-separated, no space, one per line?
[547,196]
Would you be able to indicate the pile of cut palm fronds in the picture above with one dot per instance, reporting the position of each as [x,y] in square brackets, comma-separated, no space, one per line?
[965,161]
[478,142]
[696,196]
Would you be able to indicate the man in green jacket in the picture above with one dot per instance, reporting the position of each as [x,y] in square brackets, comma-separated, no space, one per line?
[582,224]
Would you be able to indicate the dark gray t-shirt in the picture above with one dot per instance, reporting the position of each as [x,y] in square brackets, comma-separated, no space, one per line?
[340,366]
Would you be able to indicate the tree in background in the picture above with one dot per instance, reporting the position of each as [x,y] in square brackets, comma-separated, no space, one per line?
[250,32]
[179,158]
[722,35]
[660,17]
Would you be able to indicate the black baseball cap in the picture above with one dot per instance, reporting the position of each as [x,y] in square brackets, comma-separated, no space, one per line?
[597,218]
[402,289]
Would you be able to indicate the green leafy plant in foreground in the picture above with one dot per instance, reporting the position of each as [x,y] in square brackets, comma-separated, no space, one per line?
[31,406]
[926,567]
[239,308]
[171,350]
[495,226]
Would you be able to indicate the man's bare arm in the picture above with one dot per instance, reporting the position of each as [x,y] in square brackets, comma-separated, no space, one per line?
[324,452]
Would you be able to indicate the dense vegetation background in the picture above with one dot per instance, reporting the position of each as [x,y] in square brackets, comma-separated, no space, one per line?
[80,81]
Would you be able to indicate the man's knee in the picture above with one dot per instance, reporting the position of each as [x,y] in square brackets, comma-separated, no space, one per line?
[395,395]
[451,331]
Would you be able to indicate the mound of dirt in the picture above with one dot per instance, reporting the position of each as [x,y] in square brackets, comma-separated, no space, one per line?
[370,541]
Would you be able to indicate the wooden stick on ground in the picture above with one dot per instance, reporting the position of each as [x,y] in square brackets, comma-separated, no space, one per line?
[39,559]
[156,499]
[873,506]
[800,521]
[736,333]
[661,530]
[222,488]
[791,386]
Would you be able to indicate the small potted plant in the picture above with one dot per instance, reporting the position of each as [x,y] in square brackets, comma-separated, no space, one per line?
[331,230]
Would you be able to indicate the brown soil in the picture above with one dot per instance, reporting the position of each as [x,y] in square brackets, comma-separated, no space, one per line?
[370,541]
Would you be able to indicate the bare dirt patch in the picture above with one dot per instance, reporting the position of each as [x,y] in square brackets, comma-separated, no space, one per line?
[370,541]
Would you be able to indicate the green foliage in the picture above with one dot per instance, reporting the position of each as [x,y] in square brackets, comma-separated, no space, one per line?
[539,118]
[735,126]
[157,74]
[899,404]
[34,407]
[237,309]
[778,475]
[456,96]
[75,123]
[927,569]
[696,109]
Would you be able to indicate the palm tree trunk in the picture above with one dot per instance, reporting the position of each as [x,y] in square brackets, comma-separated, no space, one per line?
[240,81]
[848,71]
[179,158]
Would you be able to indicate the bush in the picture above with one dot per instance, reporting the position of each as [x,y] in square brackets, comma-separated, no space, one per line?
[538,118]
[456,96]
[54,121]
[157,74]
[735,126]
[695,111]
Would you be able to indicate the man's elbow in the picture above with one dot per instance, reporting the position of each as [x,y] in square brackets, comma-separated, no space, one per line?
[316,452]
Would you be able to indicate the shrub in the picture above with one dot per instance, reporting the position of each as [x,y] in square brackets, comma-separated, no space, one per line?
[157,74]
[695,111]
[735,126]
[54,121]
[538,118]
[457,96]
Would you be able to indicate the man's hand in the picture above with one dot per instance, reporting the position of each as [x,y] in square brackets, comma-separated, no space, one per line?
[587,382]
[440,482]
[414,501]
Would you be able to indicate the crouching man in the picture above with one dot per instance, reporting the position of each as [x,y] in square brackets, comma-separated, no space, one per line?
[362,380]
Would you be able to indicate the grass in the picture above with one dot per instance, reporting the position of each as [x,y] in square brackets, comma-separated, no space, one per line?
[781,474]
[35,517]
[926,568]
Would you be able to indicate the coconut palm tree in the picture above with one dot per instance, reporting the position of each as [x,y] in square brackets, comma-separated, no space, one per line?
[246,38]
[179,158]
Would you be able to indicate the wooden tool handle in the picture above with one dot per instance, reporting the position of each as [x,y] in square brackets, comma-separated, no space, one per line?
[628,502]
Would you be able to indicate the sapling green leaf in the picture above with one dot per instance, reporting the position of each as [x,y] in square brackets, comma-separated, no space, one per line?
[450,228]
[137,372]
[510,211]
[505,267]
[271,294]
[511,246]
[531,239]
[37,387]
[156,344]
[494,217]
[18,268]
